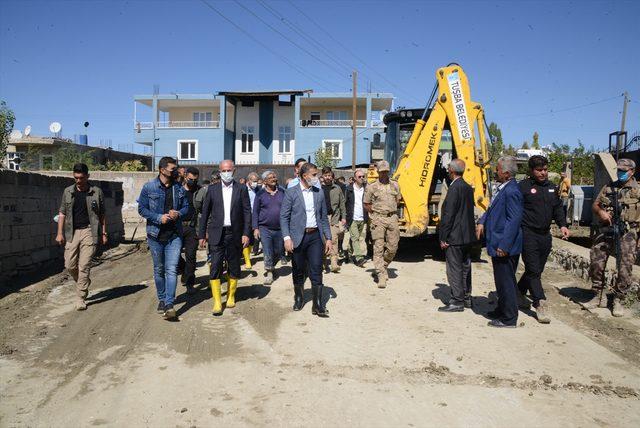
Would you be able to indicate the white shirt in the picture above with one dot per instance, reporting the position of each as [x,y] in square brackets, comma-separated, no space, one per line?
[309,206]
[227,193]
[358,210]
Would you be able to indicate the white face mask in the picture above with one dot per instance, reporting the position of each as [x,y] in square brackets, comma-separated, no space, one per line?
[226,176]
[253,184]
[313,181]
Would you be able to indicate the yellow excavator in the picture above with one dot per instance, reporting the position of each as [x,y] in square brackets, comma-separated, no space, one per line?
[450,126]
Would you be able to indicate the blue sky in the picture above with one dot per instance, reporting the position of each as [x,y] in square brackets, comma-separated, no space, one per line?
[73,61]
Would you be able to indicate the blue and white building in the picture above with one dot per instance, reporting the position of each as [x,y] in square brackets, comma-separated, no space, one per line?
[269,127]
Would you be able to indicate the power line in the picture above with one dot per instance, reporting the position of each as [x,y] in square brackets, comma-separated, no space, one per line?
[266,47]
[302,33]
[564,109]
[410,96]
[302,48]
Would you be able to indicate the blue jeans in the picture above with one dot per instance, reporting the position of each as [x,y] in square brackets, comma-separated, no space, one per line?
[165,266]
[272,246]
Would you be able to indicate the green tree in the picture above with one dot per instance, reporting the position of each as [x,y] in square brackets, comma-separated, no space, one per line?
[510,151]
[7,119]
[130,165]
[536,143]
[324,157]
[496,144]
[525,145]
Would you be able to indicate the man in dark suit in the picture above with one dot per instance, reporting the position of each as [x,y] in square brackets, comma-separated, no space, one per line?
[305,227]
[456,233]
[357,217]
[501,226]
[227,212]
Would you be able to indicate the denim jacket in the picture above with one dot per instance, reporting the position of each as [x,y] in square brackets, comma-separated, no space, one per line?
[151,205]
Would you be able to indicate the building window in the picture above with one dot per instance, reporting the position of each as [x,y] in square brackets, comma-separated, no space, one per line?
[187,149]
[334,147]
[202,118]
[315,115]
[47,162]
[247,139]
[15,158]
[337,115]
[284,139]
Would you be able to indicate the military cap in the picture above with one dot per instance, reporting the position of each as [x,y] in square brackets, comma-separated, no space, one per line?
[626,164]
[383,166]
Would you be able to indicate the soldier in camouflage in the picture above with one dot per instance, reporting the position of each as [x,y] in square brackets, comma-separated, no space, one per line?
[381,202]
[628,191]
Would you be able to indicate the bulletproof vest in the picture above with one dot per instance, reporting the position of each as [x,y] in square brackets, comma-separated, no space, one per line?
[628,200]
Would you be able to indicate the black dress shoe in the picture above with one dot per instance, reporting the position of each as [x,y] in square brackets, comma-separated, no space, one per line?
[500,324]
[468,303]
[298,299]
[451,308]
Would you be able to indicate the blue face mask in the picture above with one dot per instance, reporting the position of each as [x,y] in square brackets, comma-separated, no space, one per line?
[623,175]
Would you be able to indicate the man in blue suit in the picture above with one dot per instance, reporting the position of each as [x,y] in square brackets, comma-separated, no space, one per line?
[305,227]
[501,227]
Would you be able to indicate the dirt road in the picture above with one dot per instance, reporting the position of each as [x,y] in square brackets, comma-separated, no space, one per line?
[384,358]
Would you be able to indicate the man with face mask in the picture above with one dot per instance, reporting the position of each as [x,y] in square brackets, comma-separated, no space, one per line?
[381,202]
[252,188]
[190,229]
[541,206]
[456,234]
[163,203]
[336,209]
[305,227]
[265,222]
[226,222]
[628,195]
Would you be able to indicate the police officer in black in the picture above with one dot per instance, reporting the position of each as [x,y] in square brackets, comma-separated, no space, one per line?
[541,205]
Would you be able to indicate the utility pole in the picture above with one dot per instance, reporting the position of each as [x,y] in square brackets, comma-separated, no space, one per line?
[624,118]
[354,116]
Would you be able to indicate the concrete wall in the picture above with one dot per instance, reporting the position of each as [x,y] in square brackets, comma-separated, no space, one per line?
[28,203]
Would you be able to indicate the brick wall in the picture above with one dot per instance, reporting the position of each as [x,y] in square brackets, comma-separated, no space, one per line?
[28,204]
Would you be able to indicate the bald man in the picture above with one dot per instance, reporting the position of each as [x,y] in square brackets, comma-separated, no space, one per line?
[228,208]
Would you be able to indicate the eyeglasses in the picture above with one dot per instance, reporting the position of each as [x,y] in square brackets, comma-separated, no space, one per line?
[359,176]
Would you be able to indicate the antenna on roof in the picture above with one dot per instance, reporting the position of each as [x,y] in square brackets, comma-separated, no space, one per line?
[156,89]
[27,131]
[55,128]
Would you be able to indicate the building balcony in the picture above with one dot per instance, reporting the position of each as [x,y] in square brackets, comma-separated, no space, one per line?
[178,124]
[309,123]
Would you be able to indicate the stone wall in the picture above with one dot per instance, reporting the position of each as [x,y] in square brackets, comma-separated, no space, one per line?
[28,204]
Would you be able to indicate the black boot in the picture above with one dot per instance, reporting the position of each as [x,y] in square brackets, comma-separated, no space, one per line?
[298,300]
[318,307]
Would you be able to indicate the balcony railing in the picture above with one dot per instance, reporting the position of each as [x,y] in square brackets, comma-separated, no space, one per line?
[331,123]
[143,125]
[190,124]
[377,123]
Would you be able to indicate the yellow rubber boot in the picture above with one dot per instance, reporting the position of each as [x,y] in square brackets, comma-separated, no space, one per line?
[231,293]
[216,292]
[246,252]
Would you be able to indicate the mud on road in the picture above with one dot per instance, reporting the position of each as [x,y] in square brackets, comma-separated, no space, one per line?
[384,358]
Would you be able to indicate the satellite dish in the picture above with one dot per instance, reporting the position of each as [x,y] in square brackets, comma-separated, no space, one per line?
[55,127]
[86,124]
[383,113]
[15,135]
[27,131]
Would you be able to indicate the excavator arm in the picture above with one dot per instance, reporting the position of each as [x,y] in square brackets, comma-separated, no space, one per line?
[453,108]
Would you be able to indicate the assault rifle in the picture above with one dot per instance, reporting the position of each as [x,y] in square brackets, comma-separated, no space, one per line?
[618,226]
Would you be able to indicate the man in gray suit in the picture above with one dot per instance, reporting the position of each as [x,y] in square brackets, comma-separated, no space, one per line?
[305,227]
[456,234]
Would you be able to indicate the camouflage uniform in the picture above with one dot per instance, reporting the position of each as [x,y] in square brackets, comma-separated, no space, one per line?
[603,244]
[383,223]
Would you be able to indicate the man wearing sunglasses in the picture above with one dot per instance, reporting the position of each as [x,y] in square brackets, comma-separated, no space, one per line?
[357,217]
[627,190]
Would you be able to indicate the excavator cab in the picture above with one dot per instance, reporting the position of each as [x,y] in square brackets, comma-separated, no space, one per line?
[420,143]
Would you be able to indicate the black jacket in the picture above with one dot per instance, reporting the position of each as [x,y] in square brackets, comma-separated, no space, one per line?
[457,225]
[541,205]
[213,213]
[350,202]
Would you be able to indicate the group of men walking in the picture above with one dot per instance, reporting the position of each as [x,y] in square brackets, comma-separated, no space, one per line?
[310,217]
